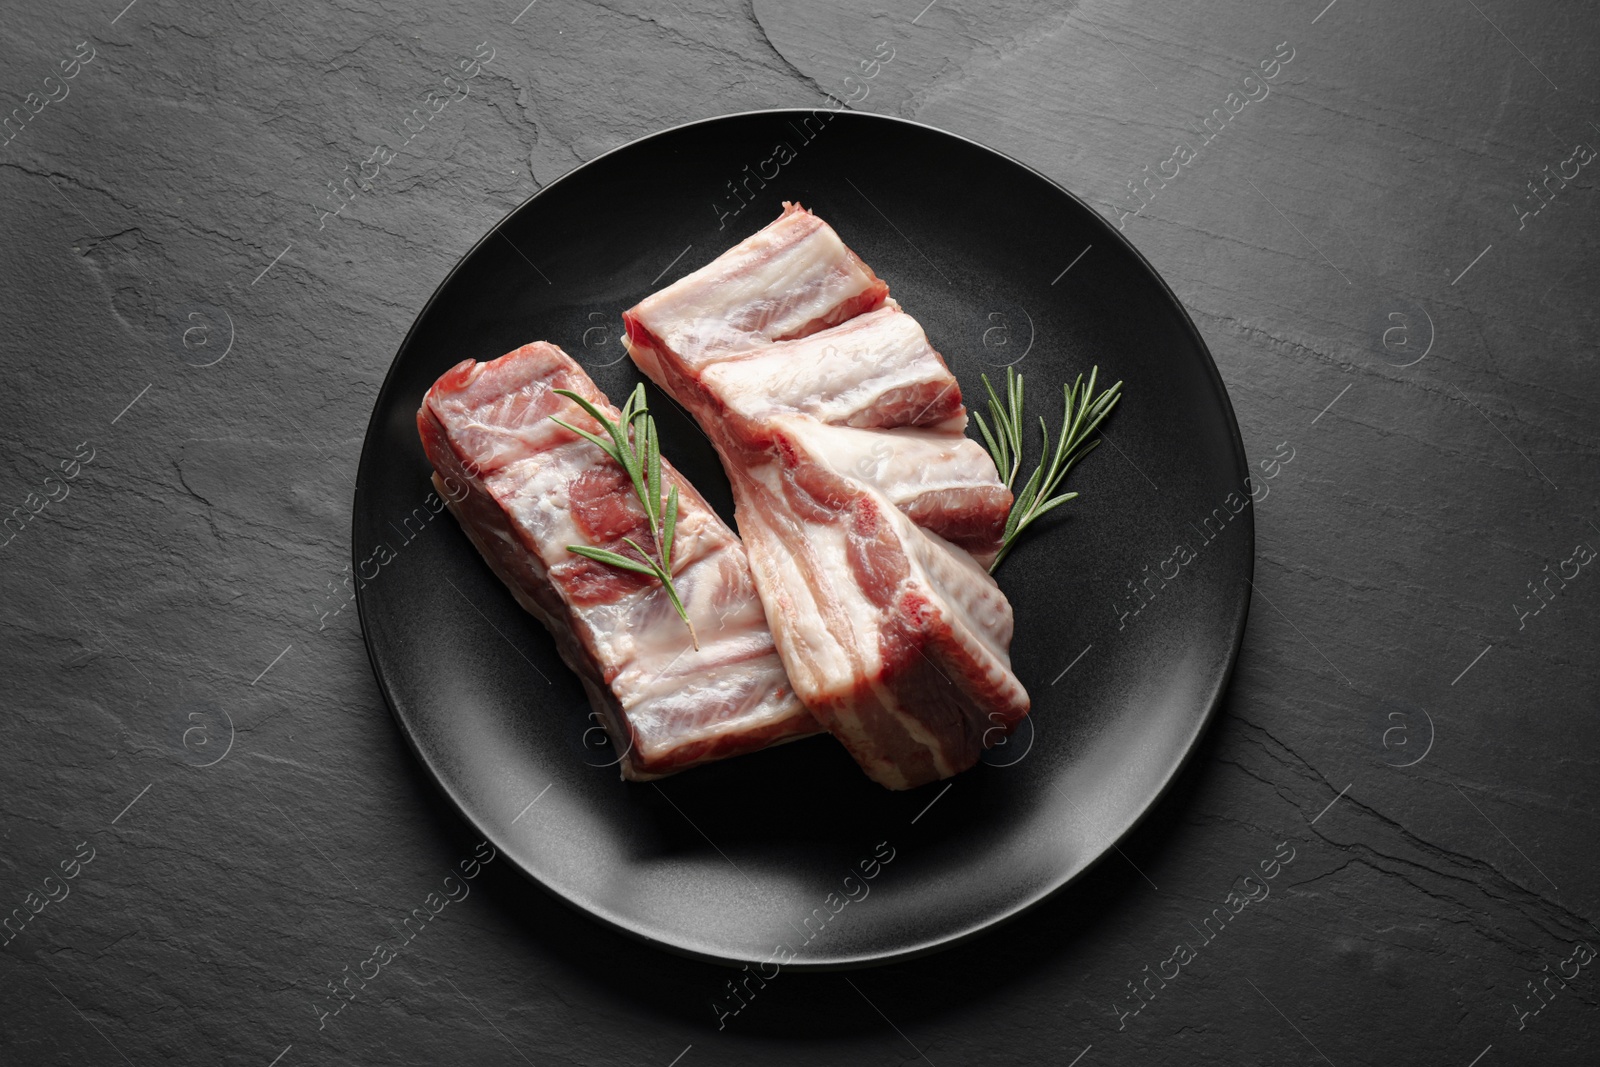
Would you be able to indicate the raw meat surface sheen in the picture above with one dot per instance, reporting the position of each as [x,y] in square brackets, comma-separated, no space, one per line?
[524,489]
[861,501]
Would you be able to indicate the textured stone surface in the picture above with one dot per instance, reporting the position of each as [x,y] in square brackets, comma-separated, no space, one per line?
[162,634]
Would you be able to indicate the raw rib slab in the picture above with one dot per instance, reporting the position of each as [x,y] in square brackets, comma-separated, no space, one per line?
[841,428]
[874,370]
[525,488]
[791,279]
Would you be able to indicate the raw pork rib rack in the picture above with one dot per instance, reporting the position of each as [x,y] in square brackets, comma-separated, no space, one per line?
[525,488]
[860,501]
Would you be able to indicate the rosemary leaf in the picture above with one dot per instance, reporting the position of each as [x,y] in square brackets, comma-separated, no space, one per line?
[615,559]
[1014,393]
[1054,502]
[653,472]
[670,525]
[990,443]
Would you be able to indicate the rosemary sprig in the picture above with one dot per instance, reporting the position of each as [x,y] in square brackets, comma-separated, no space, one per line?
[634,431]
[1083,415]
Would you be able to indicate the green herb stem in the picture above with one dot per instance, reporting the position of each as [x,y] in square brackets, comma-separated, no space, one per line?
[636,447]
[1084,412]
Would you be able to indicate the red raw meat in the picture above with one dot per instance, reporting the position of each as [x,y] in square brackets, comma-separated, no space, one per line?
[861,502]
[531,489]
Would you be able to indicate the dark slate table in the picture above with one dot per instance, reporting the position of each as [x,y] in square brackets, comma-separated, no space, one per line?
[209,816]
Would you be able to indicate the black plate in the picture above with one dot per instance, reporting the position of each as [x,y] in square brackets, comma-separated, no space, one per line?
[731,861]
